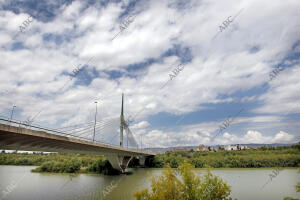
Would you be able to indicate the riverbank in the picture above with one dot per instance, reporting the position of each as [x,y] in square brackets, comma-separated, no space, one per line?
[264,157]
[62,163]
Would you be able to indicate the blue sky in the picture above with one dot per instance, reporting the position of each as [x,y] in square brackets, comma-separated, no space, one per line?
[219,78]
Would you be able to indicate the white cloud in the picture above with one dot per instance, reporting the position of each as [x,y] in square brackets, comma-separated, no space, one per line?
[255,137]
[220,67]
[283,137]
[142,124]
[157,138]
[283,96]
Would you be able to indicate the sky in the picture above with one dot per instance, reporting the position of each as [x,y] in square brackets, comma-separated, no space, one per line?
[185,67]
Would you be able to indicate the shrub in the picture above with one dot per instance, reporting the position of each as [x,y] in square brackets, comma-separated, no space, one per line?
[102,166]
[46,167]
[190,187]
[96,166]
[68,166]
[72,166]
[23,161]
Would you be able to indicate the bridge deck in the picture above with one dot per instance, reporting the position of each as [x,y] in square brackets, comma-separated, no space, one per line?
[18,138]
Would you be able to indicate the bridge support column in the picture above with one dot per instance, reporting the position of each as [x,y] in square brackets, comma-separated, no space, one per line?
[142,160]
[119,162]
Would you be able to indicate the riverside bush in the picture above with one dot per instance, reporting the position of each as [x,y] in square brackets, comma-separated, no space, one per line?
[102,166]
[262,157]
[188,187]
[68,166]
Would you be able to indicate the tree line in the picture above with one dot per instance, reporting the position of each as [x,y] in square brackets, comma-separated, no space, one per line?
[249,158]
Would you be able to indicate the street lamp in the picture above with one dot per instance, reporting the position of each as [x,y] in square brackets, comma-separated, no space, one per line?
[95,122]
[12,112]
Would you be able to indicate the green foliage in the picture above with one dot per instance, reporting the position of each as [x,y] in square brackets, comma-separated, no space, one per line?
[189,187]
[60,163]
[23,161]
[262,157]
[173,160]
[102,166]
[20,159]
[214,188]
[72,166]
[68,166]
[38,159]
[96,166]
[298,187]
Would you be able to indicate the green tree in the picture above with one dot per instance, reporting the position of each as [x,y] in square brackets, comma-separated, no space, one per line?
[166,187]
[191,187]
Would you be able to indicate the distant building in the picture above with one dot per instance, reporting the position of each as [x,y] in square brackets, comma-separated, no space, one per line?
[202,148]
[235,147]
[179,149]
[243,147]
[230,148]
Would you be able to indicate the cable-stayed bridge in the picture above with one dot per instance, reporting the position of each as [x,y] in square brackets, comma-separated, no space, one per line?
[110,137]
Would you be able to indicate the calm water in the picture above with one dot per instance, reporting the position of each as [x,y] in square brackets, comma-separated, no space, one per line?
[18,183]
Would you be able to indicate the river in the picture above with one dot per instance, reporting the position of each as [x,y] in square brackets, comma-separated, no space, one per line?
[19,183]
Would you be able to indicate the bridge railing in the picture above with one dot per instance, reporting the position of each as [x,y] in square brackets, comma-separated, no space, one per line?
[22,124]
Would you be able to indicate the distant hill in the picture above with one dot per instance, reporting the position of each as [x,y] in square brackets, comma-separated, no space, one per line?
[163,150]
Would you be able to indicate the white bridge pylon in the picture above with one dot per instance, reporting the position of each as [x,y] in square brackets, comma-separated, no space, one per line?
[120,162]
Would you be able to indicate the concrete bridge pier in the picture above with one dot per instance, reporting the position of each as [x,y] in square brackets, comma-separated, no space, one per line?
[119,162]
[142,160]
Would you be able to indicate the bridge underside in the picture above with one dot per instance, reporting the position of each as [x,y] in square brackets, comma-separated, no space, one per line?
[15,138]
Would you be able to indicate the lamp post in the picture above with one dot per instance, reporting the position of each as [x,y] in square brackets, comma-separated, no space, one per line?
[95,122]
[12,112]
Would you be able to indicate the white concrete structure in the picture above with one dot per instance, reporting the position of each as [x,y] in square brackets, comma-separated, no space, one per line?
[230,148]
[235,147]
